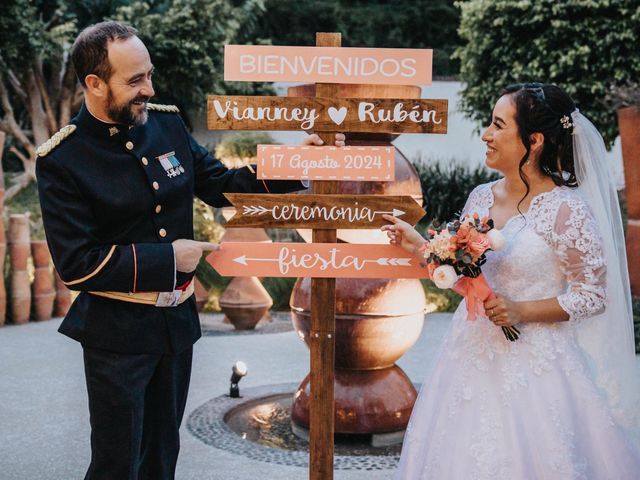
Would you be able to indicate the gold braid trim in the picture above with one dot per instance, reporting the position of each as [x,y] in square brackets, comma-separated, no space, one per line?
[96,271]
[163,108]
[55,140]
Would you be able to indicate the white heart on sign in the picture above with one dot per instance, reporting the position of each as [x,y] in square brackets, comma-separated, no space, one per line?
[337,116]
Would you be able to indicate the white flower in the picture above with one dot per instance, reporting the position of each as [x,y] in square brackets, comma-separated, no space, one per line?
[445,276]
[496,239]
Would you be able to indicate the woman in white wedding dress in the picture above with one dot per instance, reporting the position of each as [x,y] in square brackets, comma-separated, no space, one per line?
[561,402]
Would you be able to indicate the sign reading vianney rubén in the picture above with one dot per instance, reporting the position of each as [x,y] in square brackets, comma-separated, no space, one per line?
[327,114]
[266,63]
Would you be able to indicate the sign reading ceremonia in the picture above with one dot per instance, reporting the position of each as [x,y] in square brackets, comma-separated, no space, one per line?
[383,115]
[320,211]
[326,163]
[318,260]
[270,63]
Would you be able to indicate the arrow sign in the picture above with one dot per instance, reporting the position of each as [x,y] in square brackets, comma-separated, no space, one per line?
[320,211]
[327,114]
[326,163]
[331,260]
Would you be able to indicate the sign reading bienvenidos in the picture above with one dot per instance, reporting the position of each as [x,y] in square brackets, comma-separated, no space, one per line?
[373,164]
[383,115]
[388,66]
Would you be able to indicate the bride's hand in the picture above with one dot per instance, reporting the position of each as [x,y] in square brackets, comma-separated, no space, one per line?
[402,234]
[503,312]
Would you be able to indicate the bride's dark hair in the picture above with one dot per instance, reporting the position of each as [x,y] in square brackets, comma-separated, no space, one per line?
[545,109]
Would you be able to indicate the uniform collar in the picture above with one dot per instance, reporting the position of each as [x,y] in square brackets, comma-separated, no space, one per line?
[99,128]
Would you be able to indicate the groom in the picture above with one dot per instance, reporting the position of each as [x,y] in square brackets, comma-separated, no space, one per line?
[116,189]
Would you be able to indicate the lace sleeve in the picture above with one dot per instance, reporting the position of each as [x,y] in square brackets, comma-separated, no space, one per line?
[578,245]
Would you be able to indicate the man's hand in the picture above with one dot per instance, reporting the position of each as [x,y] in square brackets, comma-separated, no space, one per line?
[189,252]
[316,140]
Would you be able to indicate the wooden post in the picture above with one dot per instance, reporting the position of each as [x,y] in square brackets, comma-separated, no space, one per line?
[323,323]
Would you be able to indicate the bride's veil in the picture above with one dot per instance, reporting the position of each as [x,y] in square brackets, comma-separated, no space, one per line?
[608,338]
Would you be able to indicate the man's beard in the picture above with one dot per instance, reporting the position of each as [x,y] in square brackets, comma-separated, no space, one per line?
[124,113]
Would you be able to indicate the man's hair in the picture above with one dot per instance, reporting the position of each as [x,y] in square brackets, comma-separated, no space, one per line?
[90,50]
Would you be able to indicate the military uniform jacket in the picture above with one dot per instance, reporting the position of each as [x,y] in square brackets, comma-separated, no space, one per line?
[113,199]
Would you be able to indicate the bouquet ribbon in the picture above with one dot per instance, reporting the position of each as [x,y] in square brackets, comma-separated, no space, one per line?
[475,291]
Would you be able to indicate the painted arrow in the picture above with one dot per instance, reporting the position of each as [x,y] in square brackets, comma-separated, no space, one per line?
[320,211]
[331,260]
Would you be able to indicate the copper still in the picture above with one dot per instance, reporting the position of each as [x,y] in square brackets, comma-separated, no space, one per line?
[377,320]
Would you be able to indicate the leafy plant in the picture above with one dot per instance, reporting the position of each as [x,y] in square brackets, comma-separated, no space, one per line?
[238,148]
[582,46]
[446,186]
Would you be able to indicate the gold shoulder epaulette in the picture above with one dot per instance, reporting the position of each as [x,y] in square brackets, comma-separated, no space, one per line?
[55,140]
[163,108]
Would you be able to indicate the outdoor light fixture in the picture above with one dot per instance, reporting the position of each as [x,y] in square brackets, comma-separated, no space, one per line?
[238,371]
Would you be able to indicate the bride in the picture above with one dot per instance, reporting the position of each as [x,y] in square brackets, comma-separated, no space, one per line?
[561,402]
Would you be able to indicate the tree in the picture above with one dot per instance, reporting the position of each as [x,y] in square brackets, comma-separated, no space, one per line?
[38,89]
[584,46]
[367,23]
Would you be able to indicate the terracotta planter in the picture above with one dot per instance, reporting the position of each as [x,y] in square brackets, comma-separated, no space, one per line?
[63,297]
[629,126]
[244,302]
[19,252]
[3,243]
[42,288]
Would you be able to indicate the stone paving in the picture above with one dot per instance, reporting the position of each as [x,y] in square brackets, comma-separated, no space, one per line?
[44,424]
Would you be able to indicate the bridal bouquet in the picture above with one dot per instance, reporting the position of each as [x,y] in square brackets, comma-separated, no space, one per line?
[455,251]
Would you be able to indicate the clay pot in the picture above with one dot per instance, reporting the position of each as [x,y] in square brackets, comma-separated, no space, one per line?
[63,298]
[244,302]
[19,251]
[42,288]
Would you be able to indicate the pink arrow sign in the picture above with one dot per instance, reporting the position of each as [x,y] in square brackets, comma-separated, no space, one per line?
[332,260]
[326,163]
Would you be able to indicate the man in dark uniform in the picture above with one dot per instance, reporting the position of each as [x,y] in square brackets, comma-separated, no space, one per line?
[116,190]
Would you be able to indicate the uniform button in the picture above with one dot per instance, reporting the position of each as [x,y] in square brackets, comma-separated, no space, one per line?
[145,161]
[156,185]
[163,232]
[158,208]
[129,145]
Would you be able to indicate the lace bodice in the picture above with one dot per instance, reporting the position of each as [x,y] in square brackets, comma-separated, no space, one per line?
[552,250]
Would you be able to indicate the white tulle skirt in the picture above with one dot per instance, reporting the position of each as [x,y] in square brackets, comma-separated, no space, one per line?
[493,409]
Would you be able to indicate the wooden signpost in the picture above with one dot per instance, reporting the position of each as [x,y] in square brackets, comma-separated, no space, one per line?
[325,114]
[326,163]
[321,211]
